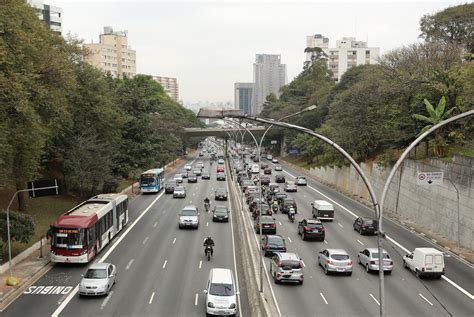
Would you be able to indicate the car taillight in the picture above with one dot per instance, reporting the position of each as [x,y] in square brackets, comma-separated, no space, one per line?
[322,229]
[274,225]
[329,262]
[350,263]
[422,269]
[372,262]
[391,262]
[306,228]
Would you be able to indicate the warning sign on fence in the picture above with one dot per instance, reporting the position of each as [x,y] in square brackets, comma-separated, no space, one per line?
[429,178]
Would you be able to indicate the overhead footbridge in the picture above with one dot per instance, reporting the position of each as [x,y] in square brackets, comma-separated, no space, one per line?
[223,132]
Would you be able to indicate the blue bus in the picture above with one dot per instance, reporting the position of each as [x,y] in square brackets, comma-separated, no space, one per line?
[151,181]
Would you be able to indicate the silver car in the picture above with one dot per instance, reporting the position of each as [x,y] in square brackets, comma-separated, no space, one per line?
[335,260]
[290,186]
[301,181]
[286,267]
[179,192]
[98,280]
[369,258]
[189,217]
[278,168]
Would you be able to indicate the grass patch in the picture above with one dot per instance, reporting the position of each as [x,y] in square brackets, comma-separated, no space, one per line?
[122,184]
[299,161]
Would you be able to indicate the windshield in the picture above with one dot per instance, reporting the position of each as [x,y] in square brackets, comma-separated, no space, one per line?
[221,289]
[147,181]
[340,257]
[96,273]
[179,189]
[69,238]
[220,210]
[376,255]
[188,212]
[275,241]
[291,264]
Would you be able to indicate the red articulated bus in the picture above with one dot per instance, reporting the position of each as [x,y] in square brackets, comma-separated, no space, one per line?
[79,234]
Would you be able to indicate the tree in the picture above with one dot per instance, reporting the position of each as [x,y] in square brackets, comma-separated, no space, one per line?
[436,115]
[452,25]
[22,227]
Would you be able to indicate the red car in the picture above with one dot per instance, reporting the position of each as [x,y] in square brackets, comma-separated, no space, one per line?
[220,169]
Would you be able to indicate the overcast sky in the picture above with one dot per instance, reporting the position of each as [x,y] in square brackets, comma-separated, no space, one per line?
[209,45]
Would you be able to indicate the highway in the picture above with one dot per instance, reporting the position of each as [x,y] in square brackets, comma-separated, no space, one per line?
[357,295]
[162,270]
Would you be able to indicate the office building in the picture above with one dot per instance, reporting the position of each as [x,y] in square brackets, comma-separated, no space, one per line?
[347,53]
[170,85]
[243,94]
[269,76]
[316,40]
[51,15]
[112,54]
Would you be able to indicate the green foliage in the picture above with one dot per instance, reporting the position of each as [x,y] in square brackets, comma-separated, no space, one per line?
[452,25]
[22,227]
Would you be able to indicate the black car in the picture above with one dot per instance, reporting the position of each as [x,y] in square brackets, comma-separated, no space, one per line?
[205,175]
[220,213]
[192,178]
[220,194]
[265,179]
[268,224]
[365,225]
[311,229]
[263,166]
[267,171]
[169,188]
[246,183]
[286,204]
[280,197]
[273,243]
[220,176]
[280,179]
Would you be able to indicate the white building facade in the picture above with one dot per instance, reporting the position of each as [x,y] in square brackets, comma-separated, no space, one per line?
[51,15]
[269,76]
[243,96]
[347,53]
[170,85]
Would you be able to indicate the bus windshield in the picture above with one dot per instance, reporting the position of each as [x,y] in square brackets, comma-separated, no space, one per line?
[68,238]
[147,180]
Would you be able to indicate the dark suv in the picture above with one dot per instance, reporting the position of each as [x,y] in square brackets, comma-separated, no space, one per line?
[365,225]
[268,225]
[169,188]
[279,179]
[273,243]
[265,179]
[286,203]
[220,194]
[311,229]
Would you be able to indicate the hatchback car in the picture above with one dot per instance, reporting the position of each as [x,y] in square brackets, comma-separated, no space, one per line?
[286,267]
[269,157]
[98,280]
[268,224]
[267,171]
[220,176]
[265,179]
[274,160]
[287,203]
[220,161]
[369,258]
[192,178]
[278,168]
[365,225]
[301,181]
[279,179]
[220,194]
[187,167]
[189,217]
[205,175]
[220,169]
[311,229]
[179,192]
[178,178]
[169,187]
[263,166]
[220,213]
[272,244]
[197,171]
[290,186]
[335,260]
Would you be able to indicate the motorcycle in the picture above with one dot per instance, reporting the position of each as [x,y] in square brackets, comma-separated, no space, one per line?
[207,206]
[291,216]
[275,208]
[208,252]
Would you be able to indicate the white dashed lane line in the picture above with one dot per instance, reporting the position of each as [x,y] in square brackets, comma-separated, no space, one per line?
[361,243]
[164,264]
[155,224]
[106,300]
[340,225]
[196,299]
[151,298]
[289,239]
[375,299]
[129,264]
[324,298]
[144,241]
[200,264]
[421,295]
[174,240]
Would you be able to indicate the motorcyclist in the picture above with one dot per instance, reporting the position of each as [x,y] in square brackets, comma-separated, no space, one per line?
[209,242]
[275,206]
[207,204]
[291,213]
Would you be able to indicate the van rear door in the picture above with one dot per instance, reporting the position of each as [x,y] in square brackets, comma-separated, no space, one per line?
[434,263]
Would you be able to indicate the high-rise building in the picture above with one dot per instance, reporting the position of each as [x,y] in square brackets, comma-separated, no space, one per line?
[316,40]
[112,54]
[347,53]
[170,85]
[51,15]
[243,94]
[269,76]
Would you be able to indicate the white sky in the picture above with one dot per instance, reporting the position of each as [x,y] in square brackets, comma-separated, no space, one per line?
[209,45]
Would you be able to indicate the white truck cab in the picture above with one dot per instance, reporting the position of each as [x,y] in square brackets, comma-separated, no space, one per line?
[322,210]
[425,262]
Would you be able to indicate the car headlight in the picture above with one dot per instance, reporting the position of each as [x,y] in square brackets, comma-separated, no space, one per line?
[210,305]
[232,306]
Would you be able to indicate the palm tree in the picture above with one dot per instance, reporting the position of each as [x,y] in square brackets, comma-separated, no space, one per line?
[436,115]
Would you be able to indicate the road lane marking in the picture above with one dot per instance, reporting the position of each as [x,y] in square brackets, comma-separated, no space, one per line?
[324,298]
[325,242]
[360,242]
[340,225]
[174,240]
[151,298]
[302,263]
[233,252]
[375,299]
[106,255]
[155,224]
[106,300]
[200,264]
[144,241]
[207,224]
[164,264]
[280,223]
[289,239]
[129,264]
[196,299]
[421,295]
[458,287]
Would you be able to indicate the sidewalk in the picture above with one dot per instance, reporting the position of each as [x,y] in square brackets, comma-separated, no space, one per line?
[27,271]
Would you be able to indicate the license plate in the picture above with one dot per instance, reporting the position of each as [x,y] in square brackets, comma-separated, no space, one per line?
[326,215]
[340,270]
[266,226]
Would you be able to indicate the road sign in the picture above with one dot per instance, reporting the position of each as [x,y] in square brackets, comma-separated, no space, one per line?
[429,178]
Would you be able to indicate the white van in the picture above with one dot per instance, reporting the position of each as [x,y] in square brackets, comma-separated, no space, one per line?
[255,169]
[322,210]
[221,294]
[425,262]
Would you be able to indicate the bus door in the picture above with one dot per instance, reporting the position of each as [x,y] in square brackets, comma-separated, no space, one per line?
[116,216]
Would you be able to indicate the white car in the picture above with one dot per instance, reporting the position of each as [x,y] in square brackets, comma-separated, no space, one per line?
[189,217]
[369,258]
[269,157]
[98,280]
[220,293]
[220,161]
[278,168]
[275,160]
[187,167]
[178,178]
[301,181]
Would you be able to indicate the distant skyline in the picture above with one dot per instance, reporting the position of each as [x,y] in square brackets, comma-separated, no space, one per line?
[210,45]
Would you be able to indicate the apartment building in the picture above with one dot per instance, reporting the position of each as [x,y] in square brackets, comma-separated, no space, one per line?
[51,15]
[112,54]
[243,94]
[170,86]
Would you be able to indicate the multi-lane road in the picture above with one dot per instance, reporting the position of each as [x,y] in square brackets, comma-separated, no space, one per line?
[162,270]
